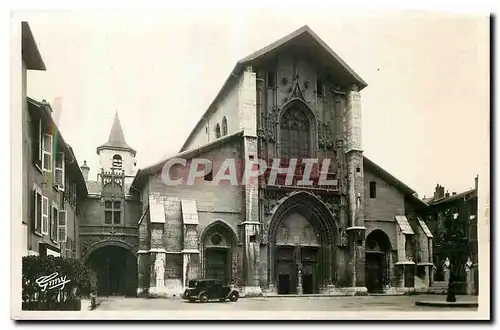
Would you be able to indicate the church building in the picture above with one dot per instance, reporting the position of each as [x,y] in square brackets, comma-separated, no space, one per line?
[355,233]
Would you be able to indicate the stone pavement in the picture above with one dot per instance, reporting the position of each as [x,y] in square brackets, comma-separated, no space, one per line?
[366,303]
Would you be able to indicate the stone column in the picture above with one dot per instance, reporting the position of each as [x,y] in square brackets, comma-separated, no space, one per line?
[355,189]
[250,236]
[469,277]
[446,270]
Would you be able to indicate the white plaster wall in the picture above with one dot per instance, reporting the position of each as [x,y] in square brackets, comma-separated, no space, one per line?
[227,107]
[106,160]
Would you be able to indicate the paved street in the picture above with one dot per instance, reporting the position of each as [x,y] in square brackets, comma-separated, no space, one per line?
[370,303]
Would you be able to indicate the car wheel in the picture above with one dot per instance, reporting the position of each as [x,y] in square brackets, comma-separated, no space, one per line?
[233,296]
[204,298]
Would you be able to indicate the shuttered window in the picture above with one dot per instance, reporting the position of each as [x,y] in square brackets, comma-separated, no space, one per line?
[47,153]
[45,215]
[59,170]
[62,227]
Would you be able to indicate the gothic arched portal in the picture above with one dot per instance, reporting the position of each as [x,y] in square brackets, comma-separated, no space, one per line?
[219,252]
[301,253]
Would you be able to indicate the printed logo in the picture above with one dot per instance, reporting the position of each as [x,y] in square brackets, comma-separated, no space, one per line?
[52,281]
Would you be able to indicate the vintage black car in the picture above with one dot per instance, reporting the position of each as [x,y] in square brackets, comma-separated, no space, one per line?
[209,289]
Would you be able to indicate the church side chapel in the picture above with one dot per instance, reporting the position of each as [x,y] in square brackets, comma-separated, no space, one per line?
[294,99]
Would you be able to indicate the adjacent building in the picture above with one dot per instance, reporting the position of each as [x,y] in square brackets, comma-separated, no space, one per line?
[53,185]
[452,218]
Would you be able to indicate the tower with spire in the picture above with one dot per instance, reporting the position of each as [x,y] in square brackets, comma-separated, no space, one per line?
[116,154]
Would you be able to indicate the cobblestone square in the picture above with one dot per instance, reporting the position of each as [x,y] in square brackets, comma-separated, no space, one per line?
[348,304]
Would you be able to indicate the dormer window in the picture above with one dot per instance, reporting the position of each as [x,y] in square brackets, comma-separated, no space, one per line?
[117,161]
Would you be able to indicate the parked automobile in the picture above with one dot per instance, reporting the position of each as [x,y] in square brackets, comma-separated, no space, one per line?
[204,290]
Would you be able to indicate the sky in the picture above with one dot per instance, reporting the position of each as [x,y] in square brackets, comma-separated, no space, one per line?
[425,112]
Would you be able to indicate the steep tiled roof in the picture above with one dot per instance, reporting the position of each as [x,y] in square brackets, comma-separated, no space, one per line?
[303,37]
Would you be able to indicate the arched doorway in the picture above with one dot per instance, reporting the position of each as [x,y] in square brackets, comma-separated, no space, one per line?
[377,261]
[113,270]
[219,245]
[301,246]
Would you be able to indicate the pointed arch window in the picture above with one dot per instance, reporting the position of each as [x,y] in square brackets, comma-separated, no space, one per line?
[224,126]
[295,135]
[217,131]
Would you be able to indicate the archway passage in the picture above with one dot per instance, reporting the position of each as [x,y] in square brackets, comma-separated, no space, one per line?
[377,262]
[302,246]
[219,245]
[113,271]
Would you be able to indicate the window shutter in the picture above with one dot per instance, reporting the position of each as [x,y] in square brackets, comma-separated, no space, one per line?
[45,215]
[62,228]
[39,146]
[38,212]
[33,210]
[54,223]
[59,170]
[47,153]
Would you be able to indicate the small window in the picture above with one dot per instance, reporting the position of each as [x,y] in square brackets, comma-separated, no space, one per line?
[358,170]
[224,126]
[373,189]
[319,87]
[217,131]
[270,79]
[253,239]
[117,161]
[360,242]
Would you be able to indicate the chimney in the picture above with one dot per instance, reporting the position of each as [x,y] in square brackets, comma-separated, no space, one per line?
[85,170]
[454,193]
[436,192]
[447,194]
[441,192]
[476,182]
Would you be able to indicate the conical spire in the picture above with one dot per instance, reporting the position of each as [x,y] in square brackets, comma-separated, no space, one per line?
[116,139]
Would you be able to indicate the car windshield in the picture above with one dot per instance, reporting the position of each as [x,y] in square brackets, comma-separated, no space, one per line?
[193,284]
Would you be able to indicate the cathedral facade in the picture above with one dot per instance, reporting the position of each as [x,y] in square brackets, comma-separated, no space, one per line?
[349,228]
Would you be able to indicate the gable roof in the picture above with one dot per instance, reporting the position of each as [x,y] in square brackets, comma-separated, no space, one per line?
[304,37]
[407,191]
[116,140]
[141,174]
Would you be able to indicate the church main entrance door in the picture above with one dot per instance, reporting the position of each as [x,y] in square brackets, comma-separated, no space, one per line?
[296,269]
